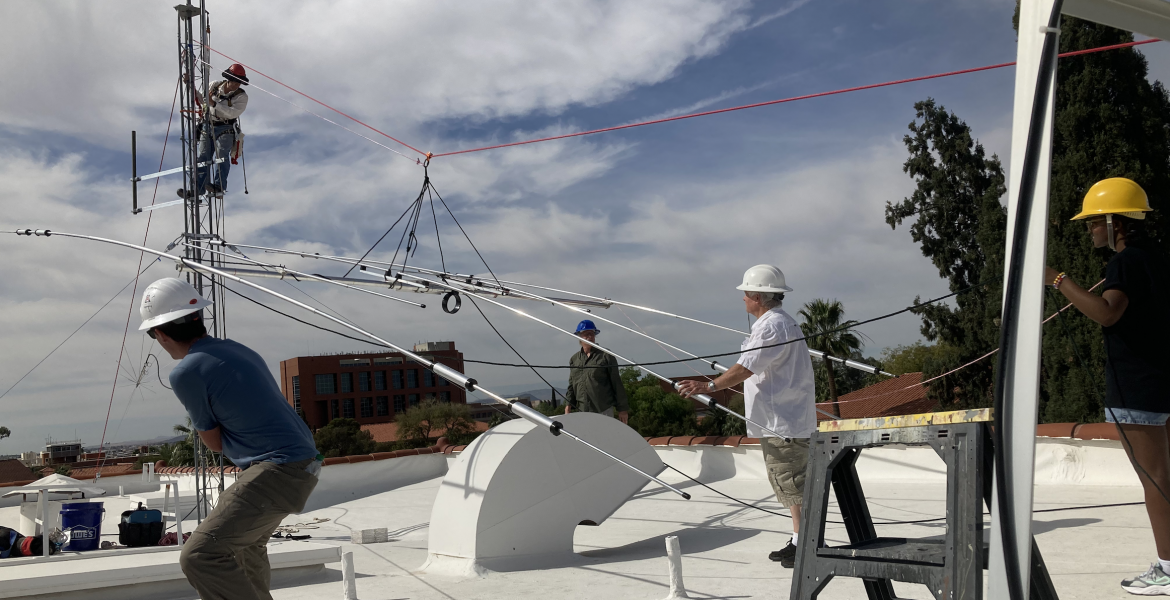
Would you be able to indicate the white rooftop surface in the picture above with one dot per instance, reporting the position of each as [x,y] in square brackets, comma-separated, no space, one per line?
[724,544]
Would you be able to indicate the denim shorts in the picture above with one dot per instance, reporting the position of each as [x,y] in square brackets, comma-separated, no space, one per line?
[1132,416]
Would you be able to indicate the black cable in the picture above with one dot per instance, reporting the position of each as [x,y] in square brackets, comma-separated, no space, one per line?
[438,240]
[1013,285]
[304,322]
[481,259]
[738,352]
[527,365]
[1125,438]
[517,352]
[381,238]
[86,322]
[918,521]
[157,370]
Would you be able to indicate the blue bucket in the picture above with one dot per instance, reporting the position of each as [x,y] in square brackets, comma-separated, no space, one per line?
[82,524]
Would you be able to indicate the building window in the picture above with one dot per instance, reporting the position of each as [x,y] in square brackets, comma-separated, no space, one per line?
[444,397]
[439,381]
[379,380]
[413,399]
[352,363]
[334,409]
[399,403]
[383,406]
[347,410]
[428,379]
[326,384]
[296,385]
[429,396]
[346,383]
[367,407]
[396,379]
[364,381]
[389,360]
[412,378]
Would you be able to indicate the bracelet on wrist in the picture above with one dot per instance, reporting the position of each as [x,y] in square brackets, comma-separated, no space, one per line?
[1059,279]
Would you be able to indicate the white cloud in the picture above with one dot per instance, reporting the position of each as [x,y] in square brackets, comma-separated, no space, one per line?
[112,67]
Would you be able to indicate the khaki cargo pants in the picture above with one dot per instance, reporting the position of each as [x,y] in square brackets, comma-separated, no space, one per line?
[786,463]
[226,558]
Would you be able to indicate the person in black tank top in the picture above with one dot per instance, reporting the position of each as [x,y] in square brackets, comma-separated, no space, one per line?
[1134,314]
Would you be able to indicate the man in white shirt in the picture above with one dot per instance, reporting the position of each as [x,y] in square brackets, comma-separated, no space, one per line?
[778,391]
[226,101]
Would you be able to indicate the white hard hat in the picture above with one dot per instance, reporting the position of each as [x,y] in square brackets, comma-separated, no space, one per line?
[764,278]
[167,300]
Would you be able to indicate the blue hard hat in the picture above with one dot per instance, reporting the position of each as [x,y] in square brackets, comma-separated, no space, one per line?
[587,325]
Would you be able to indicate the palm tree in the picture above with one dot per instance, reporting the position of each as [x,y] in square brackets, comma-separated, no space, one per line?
[829,333]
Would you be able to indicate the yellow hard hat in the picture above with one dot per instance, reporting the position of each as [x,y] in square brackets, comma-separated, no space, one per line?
[1115,196]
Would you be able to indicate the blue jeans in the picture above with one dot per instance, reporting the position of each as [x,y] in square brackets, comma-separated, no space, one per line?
[1132,416]
[225,138]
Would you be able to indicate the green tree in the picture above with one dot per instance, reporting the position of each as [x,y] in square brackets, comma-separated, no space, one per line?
[718,422]
[344,437]
[912,358]
[182,453]
[655,412]
[4,432]
[432,418]
[956,217]
[64,470]
[549,409]
[1111,121]
[822,320]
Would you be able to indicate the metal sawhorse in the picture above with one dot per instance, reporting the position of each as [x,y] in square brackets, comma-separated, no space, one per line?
[951,567]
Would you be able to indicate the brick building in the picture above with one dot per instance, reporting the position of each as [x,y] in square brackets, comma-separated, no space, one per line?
[369,387]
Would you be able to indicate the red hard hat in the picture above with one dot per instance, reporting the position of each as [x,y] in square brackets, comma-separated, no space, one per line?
[236,73]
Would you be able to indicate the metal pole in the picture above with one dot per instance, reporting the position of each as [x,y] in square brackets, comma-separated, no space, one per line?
[281,271]
[596,301]
[134,171]
[704,398]
[448,373]
[1018,366]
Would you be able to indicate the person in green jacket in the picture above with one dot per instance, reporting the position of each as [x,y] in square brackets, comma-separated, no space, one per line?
[595,385]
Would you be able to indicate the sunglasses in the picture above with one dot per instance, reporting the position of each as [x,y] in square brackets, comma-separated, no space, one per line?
[150,332]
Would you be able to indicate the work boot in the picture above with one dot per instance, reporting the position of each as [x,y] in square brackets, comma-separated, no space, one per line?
[214,190]
[786,556]
[185,193]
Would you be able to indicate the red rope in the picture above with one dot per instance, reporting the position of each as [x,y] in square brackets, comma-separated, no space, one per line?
[134,292]
[784,100]
[282,84]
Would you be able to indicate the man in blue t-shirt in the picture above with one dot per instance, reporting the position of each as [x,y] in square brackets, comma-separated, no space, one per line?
[237,408]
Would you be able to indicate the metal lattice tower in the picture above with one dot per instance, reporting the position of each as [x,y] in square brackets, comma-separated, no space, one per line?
[203,214]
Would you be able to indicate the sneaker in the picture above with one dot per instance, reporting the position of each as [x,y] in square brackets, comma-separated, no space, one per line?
[184,193]
[1153,582]
[786,556]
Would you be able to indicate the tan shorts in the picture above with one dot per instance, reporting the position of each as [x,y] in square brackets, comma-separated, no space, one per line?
[786,463]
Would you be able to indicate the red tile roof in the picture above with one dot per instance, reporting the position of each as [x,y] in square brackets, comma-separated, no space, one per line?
[106,471]
[14,470]
[388,432]
[898,396]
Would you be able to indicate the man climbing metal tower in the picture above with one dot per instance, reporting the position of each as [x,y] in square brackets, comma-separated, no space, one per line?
[220,130]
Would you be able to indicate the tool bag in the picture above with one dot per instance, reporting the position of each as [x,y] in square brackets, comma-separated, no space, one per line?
[140,527]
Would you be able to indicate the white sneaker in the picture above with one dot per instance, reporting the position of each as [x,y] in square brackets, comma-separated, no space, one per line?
[1154,582]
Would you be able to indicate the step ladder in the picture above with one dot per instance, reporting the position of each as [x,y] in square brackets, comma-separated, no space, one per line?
[951,566]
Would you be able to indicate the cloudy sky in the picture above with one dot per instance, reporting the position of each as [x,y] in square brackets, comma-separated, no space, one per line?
[667,216]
